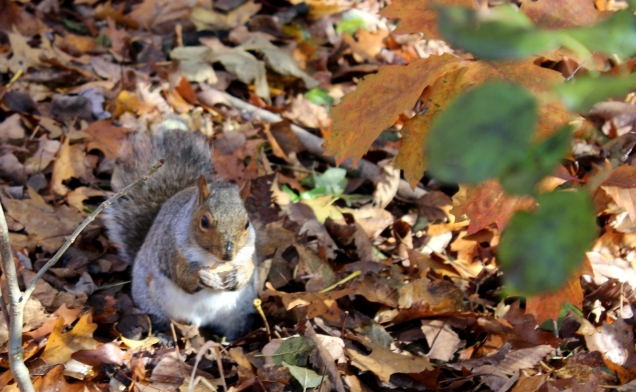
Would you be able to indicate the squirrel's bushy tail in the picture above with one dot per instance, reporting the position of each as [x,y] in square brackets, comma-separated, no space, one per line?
[186,156]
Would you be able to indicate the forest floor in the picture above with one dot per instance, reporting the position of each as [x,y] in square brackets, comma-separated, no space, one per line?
[367,284]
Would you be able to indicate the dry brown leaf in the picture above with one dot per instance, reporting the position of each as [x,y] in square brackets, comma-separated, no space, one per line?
[11,129]
[318,304]
[47,149]
[109,353]
[367,44]
[34,317]
[106,137]
[524,358]
[54,380]
[206,19]
[151,13]
[383,362]
[442,340]
[24,56]
[61,346]
[69,164]
[615,341]
[308,114]
[77,196]
[387,185]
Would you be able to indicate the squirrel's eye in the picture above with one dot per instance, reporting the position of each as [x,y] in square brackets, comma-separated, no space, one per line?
[247,224]
[205,222]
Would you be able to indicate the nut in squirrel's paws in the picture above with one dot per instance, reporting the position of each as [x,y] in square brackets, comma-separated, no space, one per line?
[227,276]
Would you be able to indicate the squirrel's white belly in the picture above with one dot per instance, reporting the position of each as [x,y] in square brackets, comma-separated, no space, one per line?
[203,307]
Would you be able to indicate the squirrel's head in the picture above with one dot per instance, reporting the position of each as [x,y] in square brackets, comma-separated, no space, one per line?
[219,222]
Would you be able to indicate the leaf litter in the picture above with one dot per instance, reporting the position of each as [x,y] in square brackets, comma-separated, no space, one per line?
[363,288]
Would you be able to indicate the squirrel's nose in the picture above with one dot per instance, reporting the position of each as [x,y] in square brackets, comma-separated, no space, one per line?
[228,255]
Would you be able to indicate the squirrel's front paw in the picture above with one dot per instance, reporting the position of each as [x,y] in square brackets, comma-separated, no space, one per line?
[211,279]
[238,277]
[227,277]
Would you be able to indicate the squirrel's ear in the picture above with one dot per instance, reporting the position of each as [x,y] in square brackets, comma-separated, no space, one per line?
[204,191]
[245,190]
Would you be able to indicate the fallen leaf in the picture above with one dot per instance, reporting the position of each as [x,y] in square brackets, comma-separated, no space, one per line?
[61,346]
[614,341]
[106,137]
[206,19]
[398,88]
[487,204]
[419,16]
[383,362]
[442,340]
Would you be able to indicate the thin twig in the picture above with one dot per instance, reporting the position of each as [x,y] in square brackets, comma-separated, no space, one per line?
[579,67]
[16,355]
[354,274]
[87,221]
[210,344]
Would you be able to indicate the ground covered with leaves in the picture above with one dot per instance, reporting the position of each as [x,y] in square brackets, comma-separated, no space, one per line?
[367,285]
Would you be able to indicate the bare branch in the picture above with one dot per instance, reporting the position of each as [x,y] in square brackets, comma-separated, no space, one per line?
[16,355]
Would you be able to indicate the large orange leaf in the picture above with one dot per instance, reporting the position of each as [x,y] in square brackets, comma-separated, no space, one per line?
[377,103]
[419,15]
[555,14]
[485,204]
[538,80]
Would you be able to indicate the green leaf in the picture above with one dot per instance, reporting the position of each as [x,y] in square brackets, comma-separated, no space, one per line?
[104,40]
[314,193]
[76,27]
[292,195]
[616,35]
[540,161]
[334,180]
[505,34]
[541,249]
[319,96]
[294,351]
[482,133]
[306,377]
[351,26]
[580,94]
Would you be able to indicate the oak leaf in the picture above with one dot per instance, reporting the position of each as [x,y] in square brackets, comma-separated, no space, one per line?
[61,346]
[384,362]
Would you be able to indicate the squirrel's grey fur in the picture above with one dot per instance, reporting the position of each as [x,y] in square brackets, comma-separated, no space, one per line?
[129,218]
[156,228]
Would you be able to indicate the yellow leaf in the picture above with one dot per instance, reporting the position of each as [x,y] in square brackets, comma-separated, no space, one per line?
[61,346]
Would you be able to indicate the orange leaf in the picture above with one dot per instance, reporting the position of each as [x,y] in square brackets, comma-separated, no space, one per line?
[106,137]
[419,15]
[377,103]
[485,204]
[539,81]
[562,13]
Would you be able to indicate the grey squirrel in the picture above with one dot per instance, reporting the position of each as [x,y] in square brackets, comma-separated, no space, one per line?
[187,234]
